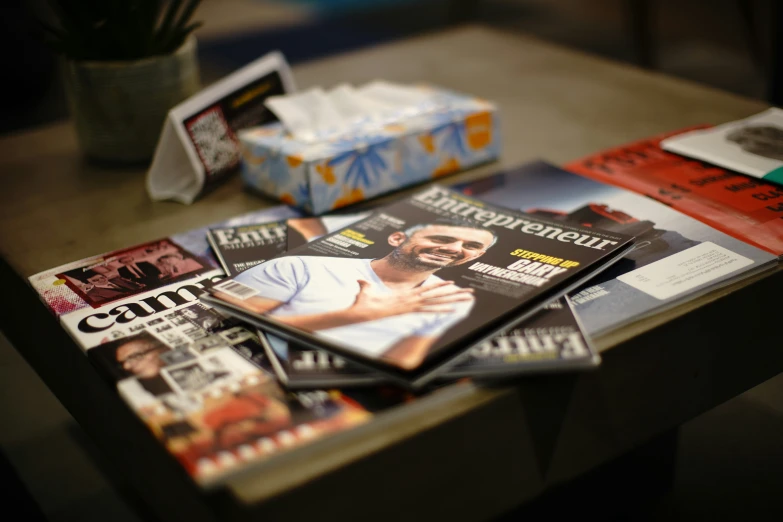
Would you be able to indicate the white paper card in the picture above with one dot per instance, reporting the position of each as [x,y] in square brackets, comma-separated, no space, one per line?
[198,146]
[685,270]
[752,146]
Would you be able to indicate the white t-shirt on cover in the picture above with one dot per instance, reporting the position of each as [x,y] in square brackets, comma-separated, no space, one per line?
[311,285]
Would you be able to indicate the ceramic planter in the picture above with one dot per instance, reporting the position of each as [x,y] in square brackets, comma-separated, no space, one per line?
[119,107]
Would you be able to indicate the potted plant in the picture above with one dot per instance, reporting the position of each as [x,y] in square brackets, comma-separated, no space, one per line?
[126,63]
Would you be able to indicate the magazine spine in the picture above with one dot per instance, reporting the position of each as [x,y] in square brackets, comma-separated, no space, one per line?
[218,254]
[282,376]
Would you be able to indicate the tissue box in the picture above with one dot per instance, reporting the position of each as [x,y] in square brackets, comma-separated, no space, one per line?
[371,160]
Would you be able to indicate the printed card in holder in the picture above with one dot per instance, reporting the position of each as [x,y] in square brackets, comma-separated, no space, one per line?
[198,146]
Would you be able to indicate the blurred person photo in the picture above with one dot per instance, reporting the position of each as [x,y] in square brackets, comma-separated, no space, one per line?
[174,265]
[128,272]
[97,288]
[762,140]
[143,273]
[136,356]
[114,278]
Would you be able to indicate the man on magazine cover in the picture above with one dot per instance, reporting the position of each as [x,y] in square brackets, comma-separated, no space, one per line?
[174,265]
[136,356]
[98,288]
[116,279]
[392,308]
[141,272]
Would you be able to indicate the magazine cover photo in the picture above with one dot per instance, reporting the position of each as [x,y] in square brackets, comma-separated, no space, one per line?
[401,285]
[129,272]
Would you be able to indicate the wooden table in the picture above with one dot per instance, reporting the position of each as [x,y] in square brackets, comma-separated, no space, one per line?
[464,453]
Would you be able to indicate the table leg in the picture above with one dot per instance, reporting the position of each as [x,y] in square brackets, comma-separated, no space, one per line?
[641,31]
[635,480]
[20,502]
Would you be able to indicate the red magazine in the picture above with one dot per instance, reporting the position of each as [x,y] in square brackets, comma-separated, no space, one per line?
[749,209]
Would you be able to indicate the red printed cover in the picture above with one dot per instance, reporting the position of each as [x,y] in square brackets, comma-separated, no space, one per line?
[749,209]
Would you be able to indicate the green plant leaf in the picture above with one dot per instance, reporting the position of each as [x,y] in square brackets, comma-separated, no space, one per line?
[176,40]
[164,31]
[187,13]
[180,37]
[118,29]
[58,34]
[150,12]
[74,33]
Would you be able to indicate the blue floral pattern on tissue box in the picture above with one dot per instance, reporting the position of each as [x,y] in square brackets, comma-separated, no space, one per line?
[358,165]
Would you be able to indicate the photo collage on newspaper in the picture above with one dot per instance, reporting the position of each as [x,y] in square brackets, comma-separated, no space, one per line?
[199,380]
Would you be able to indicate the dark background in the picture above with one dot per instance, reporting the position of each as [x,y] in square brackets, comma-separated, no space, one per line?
[729,44]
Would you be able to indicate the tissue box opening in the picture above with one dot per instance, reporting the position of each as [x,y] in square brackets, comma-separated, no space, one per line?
[359,165]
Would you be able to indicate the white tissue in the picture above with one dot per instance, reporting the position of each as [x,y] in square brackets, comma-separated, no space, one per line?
[316,115]
[307,115]
[393,94]
[354,107]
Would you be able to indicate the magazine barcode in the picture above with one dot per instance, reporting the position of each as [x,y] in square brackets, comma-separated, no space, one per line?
[236,289]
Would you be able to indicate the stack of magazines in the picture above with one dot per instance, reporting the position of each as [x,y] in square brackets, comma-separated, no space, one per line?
[405,292]
[238,341]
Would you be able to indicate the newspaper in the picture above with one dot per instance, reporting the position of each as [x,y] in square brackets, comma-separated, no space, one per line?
[199,380]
